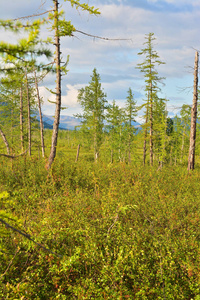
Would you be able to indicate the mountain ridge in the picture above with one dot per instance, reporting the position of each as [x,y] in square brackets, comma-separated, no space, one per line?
[67,122]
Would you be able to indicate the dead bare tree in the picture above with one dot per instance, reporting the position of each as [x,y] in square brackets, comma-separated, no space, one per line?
[191,158]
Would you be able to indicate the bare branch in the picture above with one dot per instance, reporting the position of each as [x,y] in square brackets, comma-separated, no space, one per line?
[102,38]
[28,237]
[34,15]
[13,156]
[10,263]
[113,224]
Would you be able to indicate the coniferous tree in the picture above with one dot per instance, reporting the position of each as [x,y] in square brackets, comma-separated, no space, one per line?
[130,114]
[191,158]
[115,118]
[148,67]
[61,28]
[16,61]
[185,114]
[93,102]
[40,114]
[160,128]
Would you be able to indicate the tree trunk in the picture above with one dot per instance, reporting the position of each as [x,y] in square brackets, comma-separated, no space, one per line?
[145,147]
[77,154]
[145,133]
[95,147]
[111,156]
[129,146]
[129,140]
[183,142]
[5,141]
[191,158]
[29,114]
[151,125]
[120,143]
[58,89]
[21,120]
[40,114]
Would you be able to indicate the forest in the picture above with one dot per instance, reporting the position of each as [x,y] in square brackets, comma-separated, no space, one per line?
[109,210]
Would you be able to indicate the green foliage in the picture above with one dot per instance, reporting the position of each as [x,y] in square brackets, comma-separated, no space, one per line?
[95,231]
[155,107]
[148,66]
[123,232]
[83,6]
[130,114]
[93,102]
[115,118]
[65,28]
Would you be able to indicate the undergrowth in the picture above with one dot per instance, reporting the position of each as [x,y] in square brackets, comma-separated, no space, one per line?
[109,231]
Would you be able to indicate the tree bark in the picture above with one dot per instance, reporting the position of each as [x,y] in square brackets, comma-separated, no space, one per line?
[21,120]
[77,154]
[151,125]
[29,114]
[129,141]
[191,158]
[40,114]
[145,133]
[183,142]
[5,141]
[58,89]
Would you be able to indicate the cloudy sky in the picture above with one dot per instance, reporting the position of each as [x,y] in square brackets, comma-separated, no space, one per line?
[175,24]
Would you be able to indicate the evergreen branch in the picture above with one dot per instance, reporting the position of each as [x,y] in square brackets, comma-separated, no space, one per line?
[84,6]
[26,235]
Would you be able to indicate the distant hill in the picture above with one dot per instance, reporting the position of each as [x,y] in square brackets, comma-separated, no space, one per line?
[136,125]
[69,123]
[66,122]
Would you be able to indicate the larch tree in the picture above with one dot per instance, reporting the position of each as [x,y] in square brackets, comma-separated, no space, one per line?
[114,120]
[191,157]
[16,61]
[130,114]
[61,28]
[185,114]
[40,113]
[160,129]
[93,102]
[152,79]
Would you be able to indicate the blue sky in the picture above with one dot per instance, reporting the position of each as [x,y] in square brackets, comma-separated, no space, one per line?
[175,24]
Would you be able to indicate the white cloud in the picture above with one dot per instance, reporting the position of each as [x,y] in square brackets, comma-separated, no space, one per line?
[177,2]
[70,99]
[177,33]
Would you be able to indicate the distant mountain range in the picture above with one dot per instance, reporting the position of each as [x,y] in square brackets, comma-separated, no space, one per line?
[67,122]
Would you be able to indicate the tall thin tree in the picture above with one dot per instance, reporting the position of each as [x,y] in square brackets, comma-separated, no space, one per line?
[40,114]
[148,67]
[191,157]
[93,101]
[130,114]
[61,28]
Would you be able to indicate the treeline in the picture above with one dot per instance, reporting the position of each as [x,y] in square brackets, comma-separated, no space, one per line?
[160,139]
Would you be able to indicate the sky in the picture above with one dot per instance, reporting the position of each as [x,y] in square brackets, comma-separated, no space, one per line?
[175,24]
